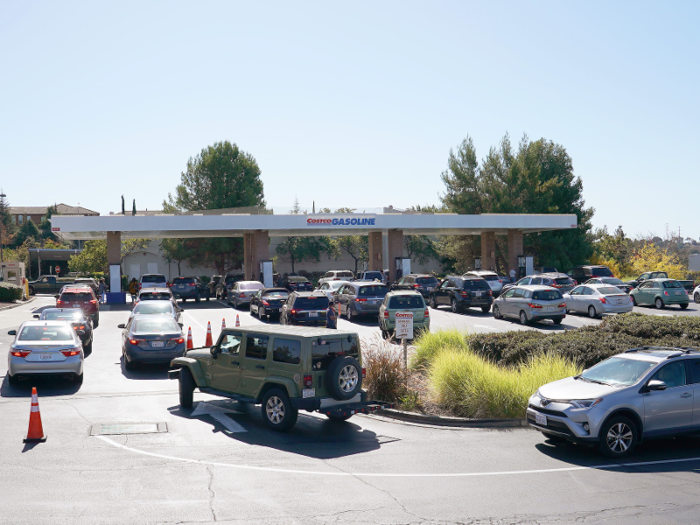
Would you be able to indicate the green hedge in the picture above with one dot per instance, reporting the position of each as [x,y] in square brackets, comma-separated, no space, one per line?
[9,292]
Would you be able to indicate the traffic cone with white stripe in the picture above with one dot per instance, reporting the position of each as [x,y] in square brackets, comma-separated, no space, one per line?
[223,323]
[208,341]
[35,434]
[238,321]
[190,344]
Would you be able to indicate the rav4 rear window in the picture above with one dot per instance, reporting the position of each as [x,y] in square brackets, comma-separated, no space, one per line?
[475,284]
[311,303]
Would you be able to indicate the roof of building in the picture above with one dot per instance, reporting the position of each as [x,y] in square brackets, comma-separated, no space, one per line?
[63,209]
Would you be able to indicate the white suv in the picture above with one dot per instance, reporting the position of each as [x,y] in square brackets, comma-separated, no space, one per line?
[153,280]
[492,278]
[336,275]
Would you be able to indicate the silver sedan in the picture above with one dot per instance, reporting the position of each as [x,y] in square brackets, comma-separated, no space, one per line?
[598,299]
[157,308]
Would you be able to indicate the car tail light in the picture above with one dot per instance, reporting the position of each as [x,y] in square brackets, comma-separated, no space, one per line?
[308,381]
[81,327]
[603,300]
[364,373]
[20,353]
[426,313]
[561,305]
[416,285]
[71,352]
[464,294]
[665,293]
[135,341]
[265,303]
[293,312]
[386,314]
[191,284]
[360,300]
[490,292]
[241,296]
[533,305]
[59,302]
[179,340]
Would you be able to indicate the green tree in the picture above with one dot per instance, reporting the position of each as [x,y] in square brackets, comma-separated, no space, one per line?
[93,258]
[45,224]
[7,223]
[28,231]
[221,176]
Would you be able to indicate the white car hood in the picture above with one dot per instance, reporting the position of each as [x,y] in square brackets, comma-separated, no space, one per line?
[571,388]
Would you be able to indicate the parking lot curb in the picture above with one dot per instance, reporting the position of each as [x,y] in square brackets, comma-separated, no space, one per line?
[413,417]
[15,305]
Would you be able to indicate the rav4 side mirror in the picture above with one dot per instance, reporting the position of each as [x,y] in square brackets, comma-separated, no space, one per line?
[654,385]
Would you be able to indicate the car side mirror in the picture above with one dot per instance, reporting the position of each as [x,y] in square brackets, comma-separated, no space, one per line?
[57,296]
[12,332]
[214,351]
[121,326]
[36,316]
[180,325]
[655,384]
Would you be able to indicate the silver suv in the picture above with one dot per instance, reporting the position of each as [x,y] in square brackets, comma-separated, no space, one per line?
[642,393]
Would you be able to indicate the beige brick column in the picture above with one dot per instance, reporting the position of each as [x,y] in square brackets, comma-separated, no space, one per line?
[515,248]
[395,242]
[375,251]
[114,247]
[256,248]
[488,251]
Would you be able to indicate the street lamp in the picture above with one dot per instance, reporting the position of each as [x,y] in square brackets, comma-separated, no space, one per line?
[2,221]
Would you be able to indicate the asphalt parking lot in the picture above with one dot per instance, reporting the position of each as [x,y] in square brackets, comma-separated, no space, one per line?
[121,450]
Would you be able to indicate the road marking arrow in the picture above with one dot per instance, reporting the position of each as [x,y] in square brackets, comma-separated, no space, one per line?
[219,414]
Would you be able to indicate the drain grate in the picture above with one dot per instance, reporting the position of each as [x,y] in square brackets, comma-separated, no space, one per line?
[115,429]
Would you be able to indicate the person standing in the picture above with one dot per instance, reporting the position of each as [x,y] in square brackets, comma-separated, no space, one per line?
[102,290]
[133,289]
[512,276]
[331,319]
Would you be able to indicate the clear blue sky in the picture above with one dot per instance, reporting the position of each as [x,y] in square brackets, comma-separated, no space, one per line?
[350,104]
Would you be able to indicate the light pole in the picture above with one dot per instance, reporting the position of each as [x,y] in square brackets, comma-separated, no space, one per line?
[2,221]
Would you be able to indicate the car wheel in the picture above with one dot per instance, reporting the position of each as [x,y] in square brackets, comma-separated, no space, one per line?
[78,379]
[87,349]
[591,312]
[634,301]
[485,309]
[129,365]
[197,298]
[523,318]
[261,316]
[557,320]
[455,308]
[344,378]
[433,304]
[32,291]
[339,419]
[186,388]
[277,411]
[696,297]
[13,379]
[618,437]
[684,306]
[208,296]
[497,312]
[96,323]
[349,315]
[659,303]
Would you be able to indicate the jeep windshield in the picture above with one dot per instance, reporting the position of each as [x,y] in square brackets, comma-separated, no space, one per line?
[311,303]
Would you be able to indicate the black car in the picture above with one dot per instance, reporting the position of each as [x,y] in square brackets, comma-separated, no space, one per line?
[645,277]
[307,308]
[268,302]
[419,282]
[295,283]
[78,320]
[581,274]
[223,287]
[189,288]
[460,293]
[613,281]
[151,339]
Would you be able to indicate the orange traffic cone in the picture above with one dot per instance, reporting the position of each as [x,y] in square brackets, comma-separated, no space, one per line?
[35,434]
[208,341]
[223,323]
[238,321]
[190,344]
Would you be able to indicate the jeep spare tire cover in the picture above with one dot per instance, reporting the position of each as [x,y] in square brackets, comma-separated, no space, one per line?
[344,378]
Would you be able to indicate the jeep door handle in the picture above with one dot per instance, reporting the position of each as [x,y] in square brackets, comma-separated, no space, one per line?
[261,367]
[687,394]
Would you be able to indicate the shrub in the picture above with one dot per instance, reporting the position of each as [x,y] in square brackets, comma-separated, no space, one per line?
[385,375]
[430,343]
[10,292]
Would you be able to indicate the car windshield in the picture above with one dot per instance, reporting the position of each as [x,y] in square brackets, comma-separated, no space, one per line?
[251,286]
[609,290]
[336,284]
[601,272]
[153,279]
[672,284]
[617,371]
[546,295]
[155,296]
[76,315]
[427,281]
[406,301]
[46,333]
[311,303]
[153,308]
[374,291]
[155,325]
[183,280]
[475,284]
[77,297]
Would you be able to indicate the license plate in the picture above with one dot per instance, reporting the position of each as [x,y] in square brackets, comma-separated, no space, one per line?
[477,294]
[678,293]
[157,344]
[46,357]
[76,306]
[430,288]
[313,314]
[550,308]
[620,301]
[308,392]
[540,419]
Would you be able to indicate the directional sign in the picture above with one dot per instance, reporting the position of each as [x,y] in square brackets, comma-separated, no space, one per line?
[404,325]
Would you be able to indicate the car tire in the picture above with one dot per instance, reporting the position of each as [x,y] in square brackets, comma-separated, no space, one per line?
[523,318]
[634,301]
[87,349]
[485,309]
[186,388]
[12,379]
[78,379]
[344,378]
[277,411]
[497,312]
[618,437]
[453,304]
[349,315]
[339,419]
[96,323]
[434,306]
[128,365]
[32,291]
[208,296]
[260,314]
[684,306]
[197,298]
[659,303]
[592,312]
[558,320]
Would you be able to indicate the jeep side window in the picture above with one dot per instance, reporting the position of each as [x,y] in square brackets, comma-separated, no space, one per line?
[256,346]
[286,351]
[231,343]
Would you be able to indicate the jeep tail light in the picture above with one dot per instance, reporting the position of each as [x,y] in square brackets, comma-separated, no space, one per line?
[364,372]
[71,351]
[20,353]
[386,314]
[308,381]
[533,305]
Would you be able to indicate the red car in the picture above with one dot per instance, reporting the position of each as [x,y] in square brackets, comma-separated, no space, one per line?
[83,298]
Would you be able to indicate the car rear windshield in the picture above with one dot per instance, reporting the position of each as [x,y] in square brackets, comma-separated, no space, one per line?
[251,286]
[230,279]
[277,294]
[298,280]
[153,279]
[612,280]
[406,301]
[152,308]
[183,280]
[489,277]
[672,284]
[311,303]
[162,296]
[373,275]
[64,316]
[344,275]
[427,281]
[77,297]
[601,272]
[373,291]
[546,295]
[324,351]
[155,325]
[609,290]
[563,281]
[475,284]
[46,333]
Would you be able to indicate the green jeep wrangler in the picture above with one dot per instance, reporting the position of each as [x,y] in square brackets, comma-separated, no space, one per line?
[284,369]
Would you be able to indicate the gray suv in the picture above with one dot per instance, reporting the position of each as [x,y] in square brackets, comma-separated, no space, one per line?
[360,298]
[642,393]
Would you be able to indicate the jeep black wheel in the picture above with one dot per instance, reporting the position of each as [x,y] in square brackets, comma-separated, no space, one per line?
[344,378]
[187,385]
[277,411]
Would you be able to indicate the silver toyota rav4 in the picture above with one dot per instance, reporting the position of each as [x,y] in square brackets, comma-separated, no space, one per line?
[643,393]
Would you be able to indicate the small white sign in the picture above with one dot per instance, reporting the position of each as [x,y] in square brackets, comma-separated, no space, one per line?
[404,325]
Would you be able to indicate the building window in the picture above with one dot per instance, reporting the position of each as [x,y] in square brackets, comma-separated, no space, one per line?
[20,219]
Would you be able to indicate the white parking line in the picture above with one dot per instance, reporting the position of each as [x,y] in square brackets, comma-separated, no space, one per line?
[194,320]
[611,466]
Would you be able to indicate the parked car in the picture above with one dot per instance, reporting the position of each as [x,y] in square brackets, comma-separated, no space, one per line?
[611,281]
[312,369]
[360,298]
[241,292]
[77,319]
[522,282]
[189,288]
[490,277]
[530,304]
[581,274]
[545,269]
[336,275]
[296,283]
[87,281]
[598,299]
[462,293]
[153,280]
[371,275]
[688,285]
[403,301]
[42,348]
[696,294]
[560,281]
[157,307]
[154,294]
[224,286]
[213,284]
[419,282]
[48,284]
[640,394]
[83,298]
[660,293]
[330,287]
[151,339]
[307,308]
[268,302]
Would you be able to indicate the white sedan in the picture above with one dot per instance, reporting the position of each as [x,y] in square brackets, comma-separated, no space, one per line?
[598,299]
[330,287]
[696,294]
